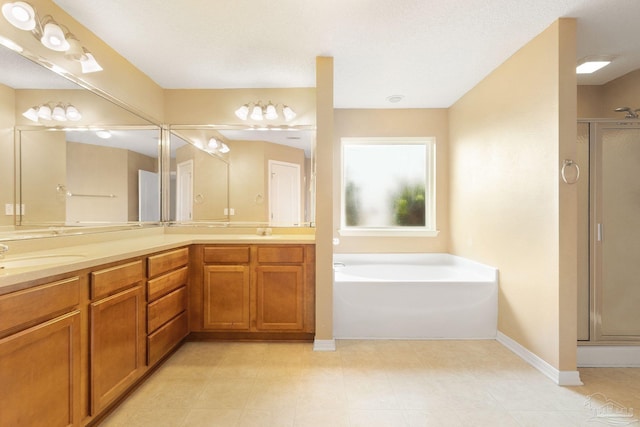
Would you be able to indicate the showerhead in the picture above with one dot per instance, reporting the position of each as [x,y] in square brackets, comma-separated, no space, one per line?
[630,113]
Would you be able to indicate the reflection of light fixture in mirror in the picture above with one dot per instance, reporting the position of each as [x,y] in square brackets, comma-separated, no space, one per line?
[75,51]
[259,111]
[104,134]
[52,35]
[20,14]
[44,112]
[243,112]
[31,114]
[224,148]
[72,113]
[256,113]
[289,114]
[59,113]
[270,112]
[89,65]
[212,144]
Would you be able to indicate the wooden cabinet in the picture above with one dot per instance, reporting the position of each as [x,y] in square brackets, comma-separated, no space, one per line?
[117,332]
[167,293]
[40,369]
[258,291]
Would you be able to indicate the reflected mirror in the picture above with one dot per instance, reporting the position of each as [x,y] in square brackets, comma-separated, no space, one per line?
[243,175]
[65,175]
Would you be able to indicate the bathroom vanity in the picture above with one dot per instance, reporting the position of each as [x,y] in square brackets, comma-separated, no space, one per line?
[76,337]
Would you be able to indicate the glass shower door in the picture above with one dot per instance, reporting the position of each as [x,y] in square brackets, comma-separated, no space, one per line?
[615,229]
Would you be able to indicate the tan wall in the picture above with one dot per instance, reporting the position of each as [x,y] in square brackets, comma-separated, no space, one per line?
[136,162]
[210,176]
[395,123]
[120,79]
[324,197]
[96,170]
[43,164]
[247,189]
[95,110]
[599,102]
[509,135]
[7,121]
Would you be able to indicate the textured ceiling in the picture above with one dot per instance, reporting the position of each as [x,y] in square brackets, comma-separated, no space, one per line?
[430,51]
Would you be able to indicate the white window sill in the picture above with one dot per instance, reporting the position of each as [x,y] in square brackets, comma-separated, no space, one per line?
[387,232]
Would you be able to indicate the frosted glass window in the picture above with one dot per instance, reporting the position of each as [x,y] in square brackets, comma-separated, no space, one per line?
[388,183]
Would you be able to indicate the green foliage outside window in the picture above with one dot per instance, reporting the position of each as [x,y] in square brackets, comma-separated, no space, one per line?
[409,205]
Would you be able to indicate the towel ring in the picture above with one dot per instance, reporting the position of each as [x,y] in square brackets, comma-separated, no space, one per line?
[565,164]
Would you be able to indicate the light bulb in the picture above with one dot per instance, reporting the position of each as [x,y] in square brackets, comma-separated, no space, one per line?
[289,114]
[243,112]
[72,113]
[89,65]
[58,113]
[44,112]
[213,143]
[31,114]
[53,37]
[224,148]
[270,112]
[20,14]
[256,113]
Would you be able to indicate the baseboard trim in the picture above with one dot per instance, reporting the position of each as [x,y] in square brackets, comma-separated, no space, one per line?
[564,378]
[608,356]
[324,345]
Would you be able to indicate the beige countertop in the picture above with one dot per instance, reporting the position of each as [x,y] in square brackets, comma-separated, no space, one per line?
[80,256]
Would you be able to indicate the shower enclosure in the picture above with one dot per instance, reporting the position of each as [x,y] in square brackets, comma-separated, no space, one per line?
[608,153]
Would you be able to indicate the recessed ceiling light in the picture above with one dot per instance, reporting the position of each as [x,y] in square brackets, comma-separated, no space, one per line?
[395,98]
[592,64]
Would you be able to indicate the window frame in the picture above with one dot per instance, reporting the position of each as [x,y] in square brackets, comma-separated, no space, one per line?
[429,229]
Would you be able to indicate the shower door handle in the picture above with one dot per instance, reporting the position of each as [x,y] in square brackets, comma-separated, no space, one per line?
[599,232]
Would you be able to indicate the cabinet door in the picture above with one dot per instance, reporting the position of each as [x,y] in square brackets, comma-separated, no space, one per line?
[40,374]
[226,297]
[118,343]
[280,297]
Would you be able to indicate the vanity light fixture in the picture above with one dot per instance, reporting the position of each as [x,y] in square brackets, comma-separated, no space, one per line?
[260,111]
[20,14]
[59,113]
[104,134]
[52,35]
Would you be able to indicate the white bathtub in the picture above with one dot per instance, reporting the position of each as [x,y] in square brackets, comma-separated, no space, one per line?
[413,296]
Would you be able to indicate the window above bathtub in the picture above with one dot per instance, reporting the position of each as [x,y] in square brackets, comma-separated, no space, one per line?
[388,187]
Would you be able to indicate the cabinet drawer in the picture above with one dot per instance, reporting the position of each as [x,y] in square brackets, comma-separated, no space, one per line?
[167,337]
[281,254]
[161,263]
[110,280]
[227,254]
[167,307]
[38,303]
[164,284]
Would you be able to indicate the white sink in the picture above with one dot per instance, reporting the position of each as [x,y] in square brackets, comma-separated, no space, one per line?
[36,261]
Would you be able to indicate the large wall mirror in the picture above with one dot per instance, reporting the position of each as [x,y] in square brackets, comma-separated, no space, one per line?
[243,175]
[97,168]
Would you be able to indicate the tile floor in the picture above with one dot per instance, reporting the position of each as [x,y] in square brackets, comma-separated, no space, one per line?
[369,384]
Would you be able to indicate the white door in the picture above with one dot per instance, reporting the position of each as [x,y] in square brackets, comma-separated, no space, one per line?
[284,193]
[148,196]
[184,191]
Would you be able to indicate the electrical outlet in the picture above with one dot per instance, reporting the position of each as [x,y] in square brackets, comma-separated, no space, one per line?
[226,211]
[8,208]
[232,211]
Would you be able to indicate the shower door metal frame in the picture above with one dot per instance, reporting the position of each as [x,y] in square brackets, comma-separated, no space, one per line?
[596,129]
